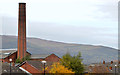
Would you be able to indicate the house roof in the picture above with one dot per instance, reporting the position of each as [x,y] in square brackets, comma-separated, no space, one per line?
[37,64]
[38,56]
[6,68]
[7,52]
[98,69]
[108,64]
[41,56]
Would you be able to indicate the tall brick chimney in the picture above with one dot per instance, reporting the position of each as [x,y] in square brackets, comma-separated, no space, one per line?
[22,31]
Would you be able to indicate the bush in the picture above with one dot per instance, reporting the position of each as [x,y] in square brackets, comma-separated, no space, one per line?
[27,57]
[18,60]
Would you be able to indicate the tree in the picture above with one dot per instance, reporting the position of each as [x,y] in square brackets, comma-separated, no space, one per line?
[59,68]
[73,62]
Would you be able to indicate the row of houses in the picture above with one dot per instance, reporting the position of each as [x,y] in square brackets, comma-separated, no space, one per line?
[34,65]
[104,67]
[12,53]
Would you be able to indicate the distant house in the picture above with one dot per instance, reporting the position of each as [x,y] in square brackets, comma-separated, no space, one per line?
[6,54]
[46,57]
[111,66]
[104,67]
[27,66]
[35,65]
[98,69]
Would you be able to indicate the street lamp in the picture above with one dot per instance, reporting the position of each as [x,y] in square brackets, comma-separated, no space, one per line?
[44,62]
[115,69]
[10,65]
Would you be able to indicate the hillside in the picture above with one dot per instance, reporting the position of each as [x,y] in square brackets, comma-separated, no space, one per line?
[90,53]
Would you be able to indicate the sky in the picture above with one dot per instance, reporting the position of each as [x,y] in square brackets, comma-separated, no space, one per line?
[92,22]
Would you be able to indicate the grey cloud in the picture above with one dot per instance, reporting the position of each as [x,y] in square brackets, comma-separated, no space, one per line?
[71,33]
[64,33]
[110,8]
[9,25]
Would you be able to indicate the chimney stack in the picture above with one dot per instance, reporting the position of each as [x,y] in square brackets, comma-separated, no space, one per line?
[103,62]
[111,62]
[22,31]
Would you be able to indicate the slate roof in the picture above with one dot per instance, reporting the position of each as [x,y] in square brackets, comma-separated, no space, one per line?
[38,56]
[6,68]
[41,56]
[4,51]
[108,64]
[39,65]
[98,69]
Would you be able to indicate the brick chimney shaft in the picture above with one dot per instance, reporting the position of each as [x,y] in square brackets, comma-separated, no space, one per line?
[21,31]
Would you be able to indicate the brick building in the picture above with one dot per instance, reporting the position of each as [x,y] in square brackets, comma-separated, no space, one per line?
[98,69]
[6,54]
[35,65]
[47,57]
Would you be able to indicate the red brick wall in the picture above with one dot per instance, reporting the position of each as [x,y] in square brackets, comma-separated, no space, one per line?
[12,56]
[30,68]
[52,58]
[37,59]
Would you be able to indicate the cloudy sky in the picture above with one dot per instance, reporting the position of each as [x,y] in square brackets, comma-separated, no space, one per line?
[72,21]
